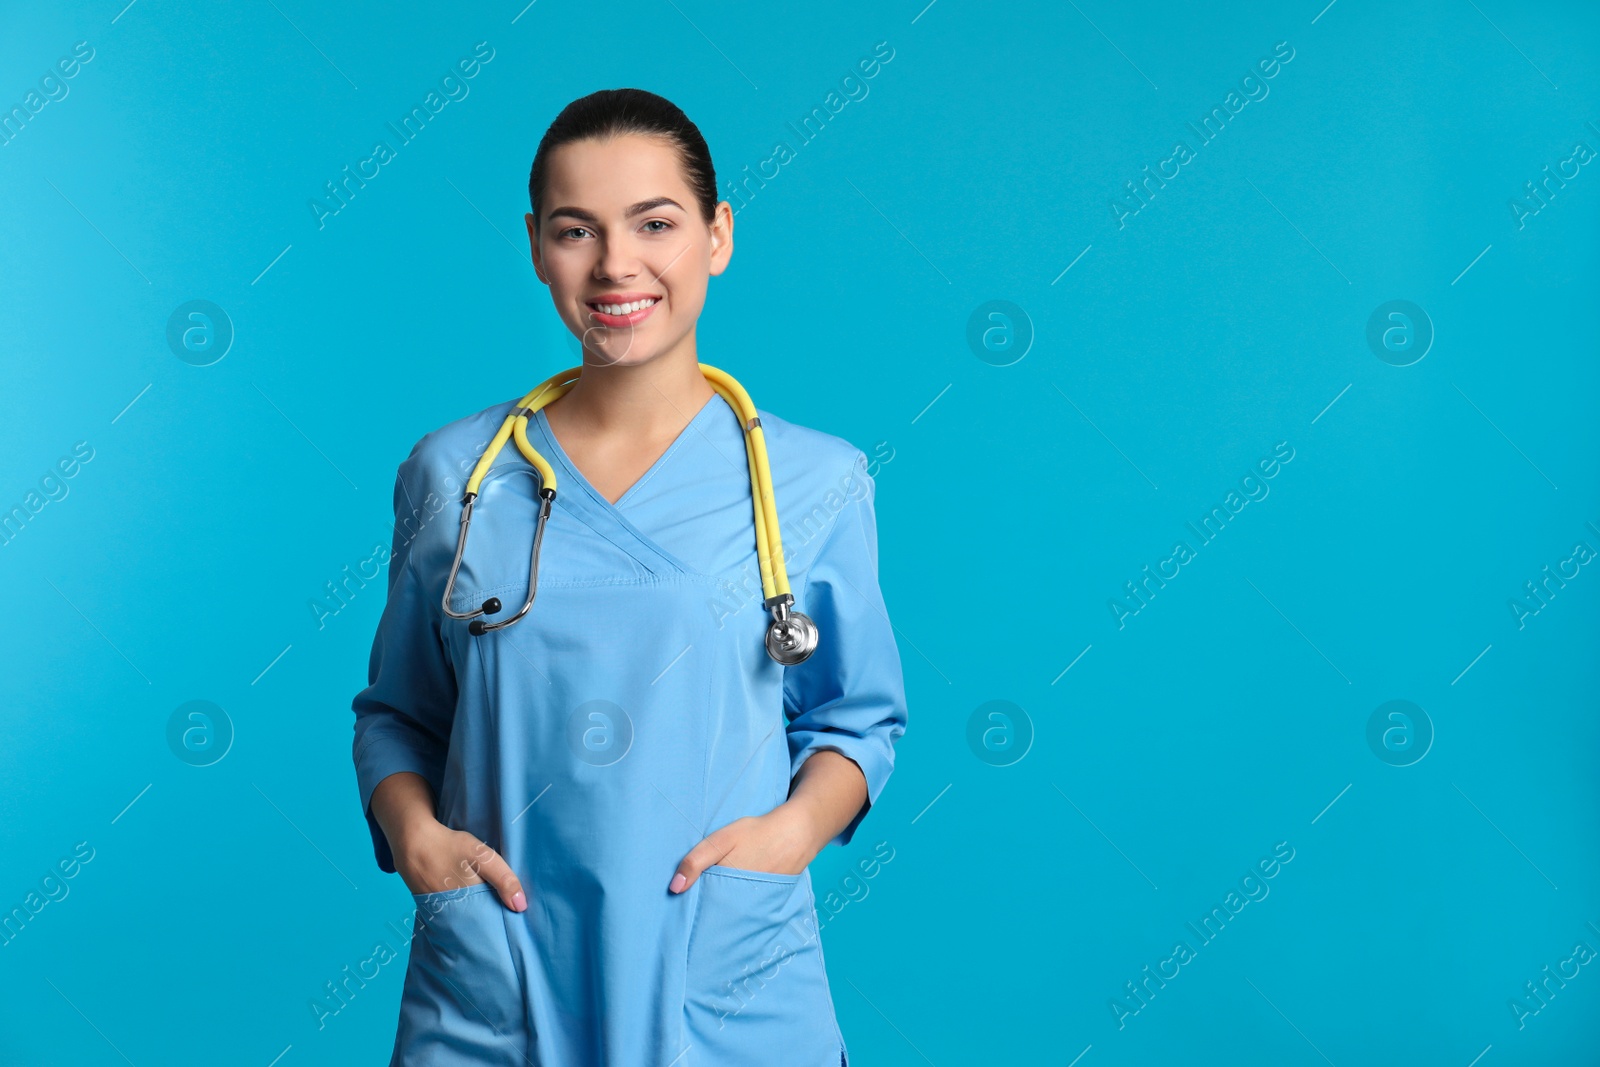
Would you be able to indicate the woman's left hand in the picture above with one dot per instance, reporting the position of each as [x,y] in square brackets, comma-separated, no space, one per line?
[783,841]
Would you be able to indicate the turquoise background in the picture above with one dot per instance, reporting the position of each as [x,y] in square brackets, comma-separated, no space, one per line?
[1230,313]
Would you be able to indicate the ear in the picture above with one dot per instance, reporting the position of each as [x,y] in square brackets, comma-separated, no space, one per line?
[533,247]
[721,237]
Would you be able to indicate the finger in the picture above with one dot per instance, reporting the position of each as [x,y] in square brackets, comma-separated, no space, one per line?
[493,868]
[707,852]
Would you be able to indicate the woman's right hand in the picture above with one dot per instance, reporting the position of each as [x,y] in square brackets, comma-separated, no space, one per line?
[432,858]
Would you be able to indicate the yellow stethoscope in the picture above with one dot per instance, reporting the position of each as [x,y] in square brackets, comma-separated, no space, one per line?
[791,635]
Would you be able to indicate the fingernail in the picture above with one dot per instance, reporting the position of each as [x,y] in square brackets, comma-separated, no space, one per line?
[678,882]
[518,901]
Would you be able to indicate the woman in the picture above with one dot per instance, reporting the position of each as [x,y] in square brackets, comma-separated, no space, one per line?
[605,811]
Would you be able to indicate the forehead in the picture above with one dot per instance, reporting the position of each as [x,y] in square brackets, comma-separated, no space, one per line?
[608,175]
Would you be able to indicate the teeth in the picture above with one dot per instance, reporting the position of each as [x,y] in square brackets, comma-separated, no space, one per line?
[624,309]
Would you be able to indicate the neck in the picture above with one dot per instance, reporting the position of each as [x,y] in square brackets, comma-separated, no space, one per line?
[640,400]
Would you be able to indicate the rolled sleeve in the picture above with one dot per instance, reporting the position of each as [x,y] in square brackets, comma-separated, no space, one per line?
[403,716]
[849,696]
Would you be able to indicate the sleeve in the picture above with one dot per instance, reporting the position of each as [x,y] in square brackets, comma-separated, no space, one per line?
[403,716]
[849,696]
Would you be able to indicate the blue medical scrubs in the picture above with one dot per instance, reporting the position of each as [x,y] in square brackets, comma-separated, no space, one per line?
[592,744]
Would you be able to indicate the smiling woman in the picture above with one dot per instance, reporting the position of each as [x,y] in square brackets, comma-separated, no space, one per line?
[619,796]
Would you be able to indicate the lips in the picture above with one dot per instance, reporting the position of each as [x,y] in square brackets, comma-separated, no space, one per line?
[627,318]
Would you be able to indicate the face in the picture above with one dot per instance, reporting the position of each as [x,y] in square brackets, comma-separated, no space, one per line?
[623,248]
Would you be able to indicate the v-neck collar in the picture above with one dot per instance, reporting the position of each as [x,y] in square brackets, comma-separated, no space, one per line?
[570,469]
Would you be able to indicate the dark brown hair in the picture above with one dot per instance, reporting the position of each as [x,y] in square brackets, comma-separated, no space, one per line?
[612,112]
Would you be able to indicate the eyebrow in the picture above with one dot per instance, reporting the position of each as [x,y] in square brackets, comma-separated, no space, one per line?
[638,209]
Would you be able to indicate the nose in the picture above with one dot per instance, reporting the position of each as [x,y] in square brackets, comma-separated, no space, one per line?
[619,260]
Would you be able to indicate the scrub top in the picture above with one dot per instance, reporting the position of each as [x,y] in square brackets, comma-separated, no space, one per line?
[629,714]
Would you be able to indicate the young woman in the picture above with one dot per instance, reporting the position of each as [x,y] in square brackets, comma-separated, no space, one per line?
[605,803]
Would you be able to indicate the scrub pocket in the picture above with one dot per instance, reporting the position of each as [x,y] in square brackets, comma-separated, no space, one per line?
[756,989]
[462,1002]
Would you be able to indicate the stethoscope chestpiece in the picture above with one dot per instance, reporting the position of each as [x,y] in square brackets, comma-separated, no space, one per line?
[791,636]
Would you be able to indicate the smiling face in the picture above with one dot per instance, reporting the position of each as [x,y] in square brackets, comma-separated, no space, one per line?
[623,248]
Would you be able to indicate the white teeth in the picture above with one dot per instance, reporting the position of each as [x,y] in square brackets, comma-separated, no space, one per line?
[624,309]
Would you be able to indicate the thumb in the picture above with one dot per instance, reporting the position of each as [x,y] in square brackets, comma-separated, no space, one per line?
[493,868]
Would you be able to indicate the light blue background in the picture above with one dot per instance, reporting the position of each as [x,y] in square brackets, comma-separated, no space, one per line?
[1227,315]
